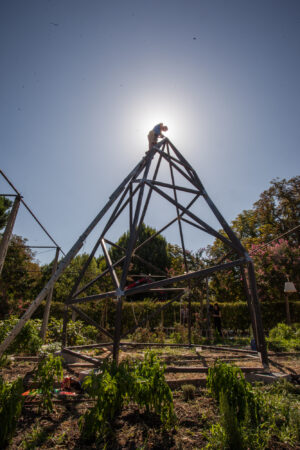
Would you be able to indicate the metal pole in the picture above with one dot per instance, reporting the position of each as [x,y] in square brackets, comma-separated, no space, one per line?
[183,249]
[65,262]
[208,228]
[117,333]
[29,210]
[49,299]
[8,231]
[131,244]
[250,303]
[287,308]
[65,326]
[207,311]
[261,344]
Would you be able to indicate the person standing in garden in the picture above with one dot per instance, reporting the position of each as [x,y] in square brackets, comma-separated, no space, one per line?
[156,133]
[216,313]
[184,315]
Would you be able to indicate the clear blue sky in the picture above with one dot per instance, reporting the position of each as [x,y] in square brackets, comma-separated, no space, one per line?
[83,81]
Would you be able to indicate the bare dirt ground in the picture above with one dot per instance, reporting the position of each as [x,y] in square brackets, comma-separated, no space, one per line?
[133,428]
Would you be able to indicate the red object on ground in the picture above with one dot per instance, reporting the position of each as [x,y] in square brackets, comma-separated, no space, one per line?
[71,394]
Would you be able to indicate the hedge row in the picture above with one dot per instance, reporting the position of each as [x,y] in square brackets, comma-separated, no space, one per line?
[235,316]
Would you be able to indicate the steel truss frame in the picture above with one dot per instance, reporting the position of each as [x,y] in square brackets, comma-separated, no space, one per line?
[134,194]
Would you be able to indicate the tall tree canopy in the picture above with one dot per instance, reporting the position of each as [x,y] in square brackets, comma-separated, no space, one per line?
[63,286]
[276,212]
[154,252]
[275,264]
[20,277]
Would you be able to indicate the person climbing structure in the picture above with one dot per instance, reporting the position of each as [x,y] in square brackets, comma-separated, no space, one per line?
[156,133]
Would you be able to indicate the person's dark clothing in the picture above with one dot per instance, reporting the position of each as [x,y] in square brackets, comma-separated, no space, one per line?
[217,320]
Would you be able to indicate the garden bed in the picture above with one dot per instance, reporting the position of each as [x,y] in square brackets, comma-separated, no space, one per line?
[134,428]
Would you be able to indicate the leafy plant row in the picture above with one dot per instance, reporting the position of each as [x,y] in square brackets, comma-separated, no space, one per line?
[235,316]
[251,417]
[142,382]
[11,403]
[28,341]
[281,338]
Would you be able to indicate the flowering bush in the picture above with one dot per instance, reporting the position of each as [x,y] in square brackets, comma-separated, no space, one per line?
[274,264]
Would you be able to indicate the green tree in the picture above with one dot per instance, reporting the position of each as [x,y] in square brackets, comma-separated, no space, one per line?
[63,286]
[278,209]
[276,212]
[274,265]
[154,252]
[20,277]
[5,204]
[194,260]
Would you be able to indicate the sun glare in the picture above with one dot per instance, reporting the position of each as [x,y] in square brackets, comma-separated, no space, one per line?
[146,112]
[168,117]
[176,112]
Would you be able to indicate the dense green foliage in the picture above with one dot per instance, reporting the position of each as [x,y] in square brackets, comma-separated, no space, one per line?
[188,391]
[284,338]
[229,381]
[274,265]
[115,386]
[27,341]
[154,252]
[49,372]
[235,315]
[11,402]
[20,278]
[5,204]
[66,281]
[251,417]
[78,332]
[276,212]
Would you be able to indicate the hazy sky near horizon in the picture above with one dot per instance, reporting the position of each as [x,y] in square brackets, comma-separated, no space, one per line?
[83,81]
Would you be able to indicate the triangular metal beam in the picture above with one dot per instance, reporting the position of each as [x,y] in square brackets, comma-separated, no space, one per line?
[134,189]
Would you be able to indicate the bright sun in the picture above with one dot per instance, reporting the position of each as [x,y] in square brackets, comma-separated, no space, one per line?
[146,112]
[165,115]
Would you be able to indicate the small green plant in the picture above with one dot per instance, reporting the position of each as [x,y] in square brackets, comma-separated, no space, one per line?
[78,332]
[11,402]
[197,337]
[216,437]
[282,387]
[239,407]
[5,360]
[142,383]
[230,380]
[280,411]
[232,429]
[188,391]
[28,340]
[284,337]
[251,416]
[180,334]
[34,438]
[281,331]
[142,335]
[48,373]
[110,389]
[48,349]
[159,335]
[151,389]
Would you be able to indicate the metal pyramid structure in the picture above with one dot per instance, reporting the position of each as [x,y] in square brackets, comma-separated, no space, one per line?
[164,174]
